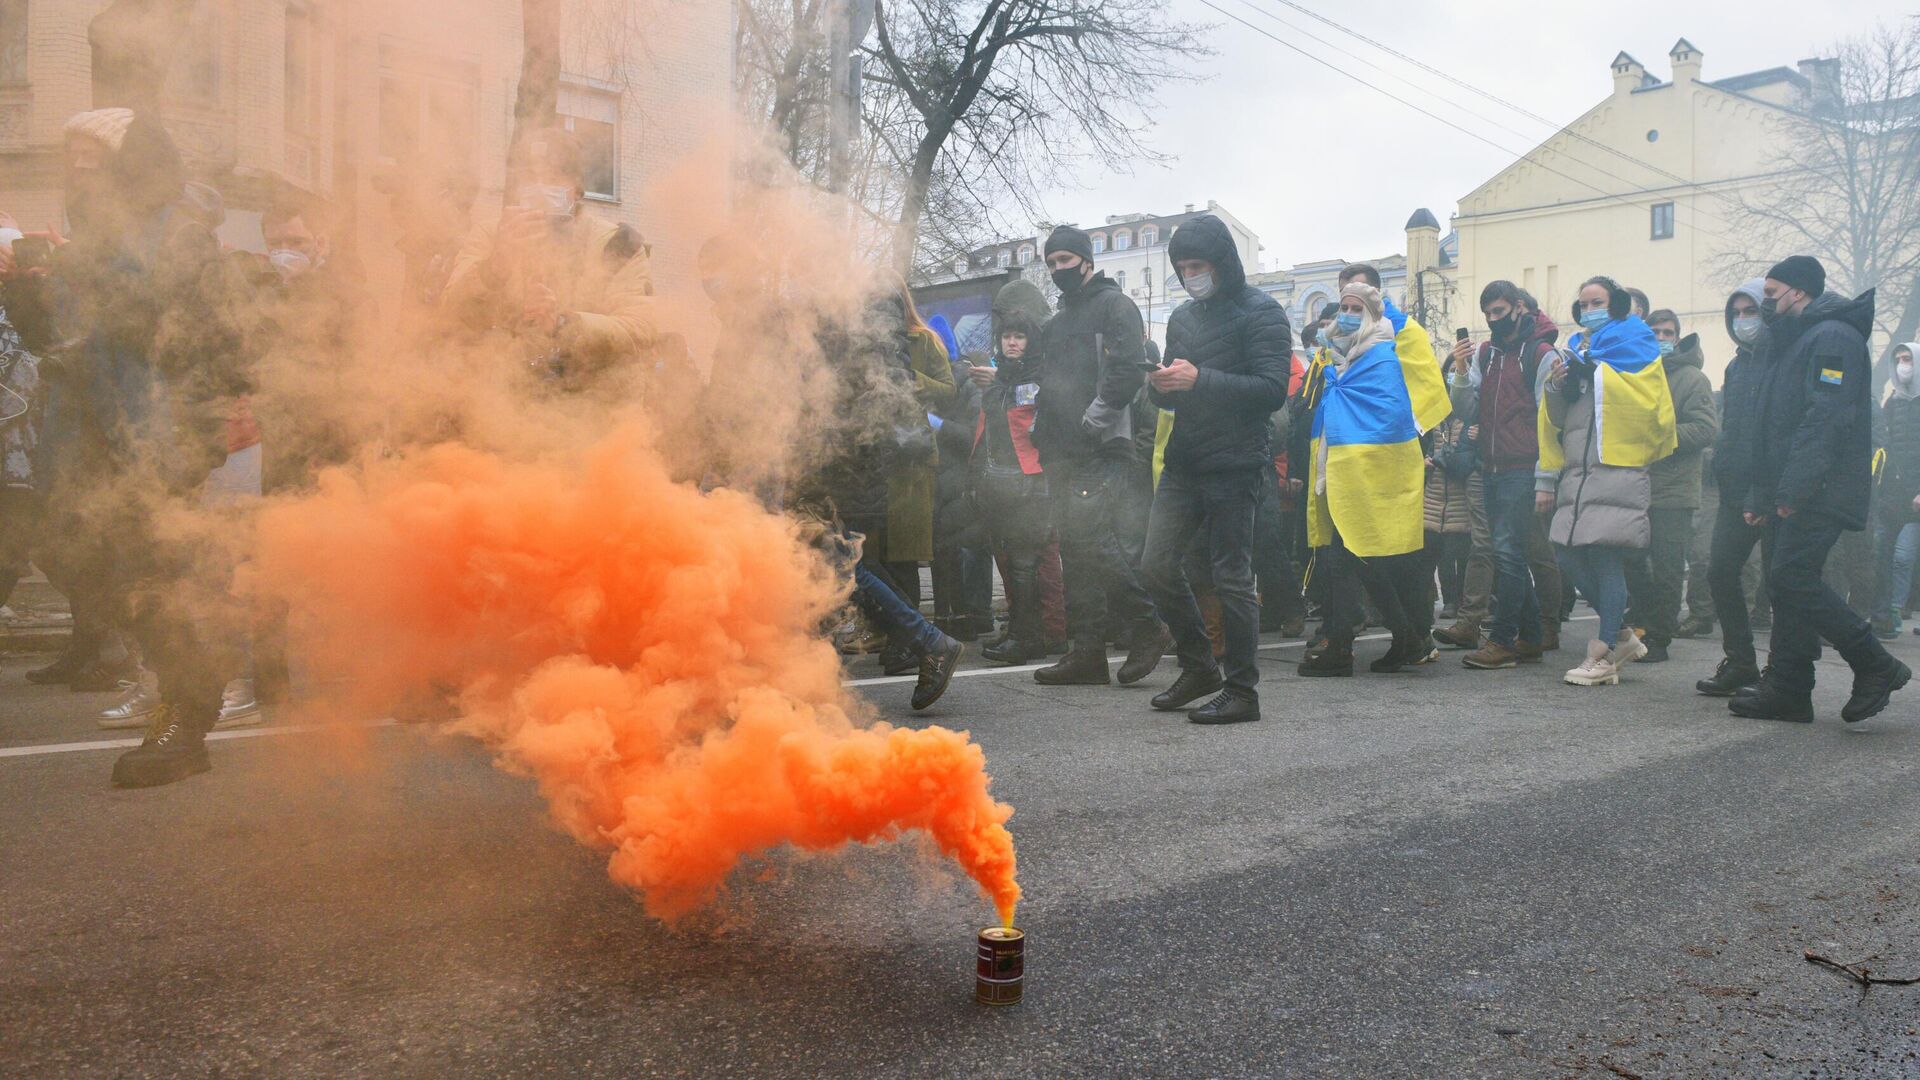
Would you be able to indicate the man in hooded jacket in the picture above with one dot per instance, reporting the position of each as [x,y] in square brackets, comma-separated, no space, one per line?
[1093,357]
[1229,359]
[1655,583]
[1813,479]
[1733,454]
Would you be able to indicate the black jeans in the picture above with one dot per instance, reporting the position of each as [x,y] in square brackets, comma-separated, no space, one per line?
[1396,583]
[1657,579]
[1273,567]
[1733,542]
[1222,504]
[1093,561]
[1015,511]
[1806,609]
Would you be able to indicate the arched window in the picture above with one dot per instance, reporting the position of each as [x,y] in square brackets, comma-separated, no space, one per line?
[1149,236]
[1099,243]
[1026,254]
[1122,240]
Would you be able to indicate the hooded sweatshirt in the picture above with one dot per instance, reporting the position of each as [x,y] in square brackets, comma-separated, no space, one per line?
[1900,479]
[1813,445]
[1239,339]
[1003,441]
[1733,449]
[1503,395]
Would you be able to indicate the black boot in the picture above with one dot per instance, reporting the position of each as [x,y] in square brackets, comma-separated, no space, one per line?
[1769,702]
[1231,707]
[1656,653]
[1081,667]
[1149,646]
[936,671]
[1871,690]
[1329,662]
[173,750]
[1190,687]
[1010,651]
[69,663]
[1729,678]
[1400,656]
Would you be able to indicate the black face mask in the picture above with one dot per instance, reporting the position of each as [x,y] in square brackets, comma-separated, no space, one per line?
[1068,280]
[1769,310]
[1504,329]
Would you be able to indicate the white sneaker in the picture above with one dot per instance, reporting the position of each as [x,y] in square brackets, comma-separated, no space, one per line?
[237,707]
[1628,649]
[134,709]
[1597,669]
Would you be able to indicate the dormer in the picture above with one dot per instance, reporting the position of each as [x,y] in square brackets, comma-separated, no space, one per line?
[1686,62]
[1628,75]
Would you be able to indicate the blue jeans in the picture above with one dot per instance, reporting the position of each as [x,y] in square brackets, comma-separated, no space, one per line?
[1510,515]
[1219,506]
[1598,571]
[1901,548]
[902,623]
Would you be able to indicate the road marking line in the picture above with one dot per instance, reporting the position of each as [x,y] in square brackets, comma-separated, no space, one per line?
[45,749]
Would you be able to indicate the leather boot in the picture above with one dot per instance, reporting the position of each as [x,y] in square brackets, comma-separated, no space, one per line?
[1081,667]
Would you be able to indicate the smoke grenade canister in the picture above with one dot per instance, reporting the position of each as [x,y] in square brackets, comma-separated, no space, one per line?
[1002,966]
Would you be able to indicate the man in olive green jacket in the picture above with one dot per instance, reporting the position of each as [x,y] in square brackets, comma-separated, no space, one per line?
[1656,580]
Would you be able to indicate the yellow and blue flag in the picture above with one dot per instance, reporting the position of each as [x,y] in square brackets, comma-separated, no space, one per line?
[1366,436]
[1633,419]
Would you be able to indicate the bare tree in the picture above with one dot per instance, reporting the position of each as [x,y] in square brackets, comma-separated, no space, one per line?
[1014,97]
[1852,198]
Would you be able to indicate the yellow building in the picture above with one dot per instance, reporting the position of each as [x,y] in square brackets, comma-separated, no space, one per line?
[1638,188]
[334,97]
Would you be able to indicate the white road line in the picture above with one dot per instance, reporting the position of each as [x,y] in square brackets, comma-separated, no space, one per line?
[44,749]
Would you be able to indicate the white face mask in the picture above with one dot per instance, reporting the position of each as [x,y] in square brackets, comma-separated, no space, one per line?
[556,200]
[289,262]
[1904,369]
[1747,328]
[1200,285]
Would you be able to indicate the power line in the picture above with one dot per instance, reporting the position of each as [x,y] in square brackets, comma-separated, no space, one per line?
[1622,199]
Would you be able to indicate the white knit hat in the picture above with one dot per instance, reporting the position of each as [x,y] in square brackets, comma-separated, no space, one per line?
[107,126]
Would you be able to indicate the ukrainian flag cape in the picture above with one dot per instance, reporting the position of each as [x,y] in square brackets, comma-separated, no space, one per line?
[1633,420]
[1370,420]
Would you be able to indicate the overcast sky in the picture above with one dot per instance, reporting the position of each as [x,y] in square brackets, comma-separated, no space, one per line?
[1268,135]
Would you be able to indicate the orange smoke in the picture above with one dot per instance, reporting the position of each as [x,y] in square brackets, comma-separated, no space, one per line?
[648,653]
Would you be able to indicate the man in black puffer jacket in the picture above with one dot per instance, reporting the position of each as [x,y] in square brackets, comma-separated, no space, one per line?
[1093,358]
[1812,479]
[1229,356]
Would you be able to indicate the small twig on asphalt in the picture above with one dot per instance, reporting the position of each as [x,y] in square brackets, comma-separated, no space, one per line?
[1624,1073]
[1857,972]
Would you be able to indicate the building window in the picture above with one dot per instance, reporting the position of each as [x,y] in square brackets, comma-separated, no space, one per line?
[1005,258]
[1099,243]
[1149,236]
[13,42]
[594,118]
[960,267]
[1663,221]
[428,111]
[1120,279]
[1026,254]
[300,97]
[1122,240]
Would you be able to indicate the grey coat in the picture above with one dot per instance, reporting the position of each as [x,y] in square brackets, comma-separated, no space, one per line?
[1594,503]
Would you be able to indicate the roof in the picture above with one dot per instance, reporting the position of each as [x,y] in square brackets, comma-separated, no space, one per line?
[1423,219]
[1753,79]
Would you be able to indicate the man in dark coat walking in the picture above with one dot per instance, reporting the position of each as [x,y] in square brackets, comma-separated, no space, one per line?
[1093,358]
[1229,358]
[1813,479]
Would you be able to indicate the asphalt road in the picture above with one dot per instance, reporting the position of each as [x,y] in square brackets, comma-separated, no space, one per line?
[1439,874]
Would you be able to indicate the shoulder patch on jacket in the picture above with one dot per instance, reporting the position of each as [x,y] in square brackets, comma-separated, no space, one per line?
[1831,370]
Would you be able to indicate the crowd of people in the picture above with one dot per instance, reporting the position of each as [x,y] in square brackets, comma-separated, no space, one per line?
[1180,500]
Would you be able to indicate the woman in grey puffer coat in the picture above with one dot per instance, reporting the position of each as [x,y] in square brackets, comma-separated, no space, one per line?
[1599,510]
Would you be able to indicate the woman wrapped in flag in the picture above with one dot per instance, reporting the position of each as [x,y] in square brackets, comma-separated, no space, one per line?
[1367,479]
[1606,416]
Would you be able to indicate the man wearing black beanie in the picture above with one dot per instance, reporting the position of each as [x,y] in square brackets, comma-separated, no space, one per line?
[1092,363]
[1812,479]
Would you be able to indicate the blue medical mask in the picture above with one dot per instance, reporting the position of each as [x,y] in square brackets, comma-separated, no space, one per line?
[1346,324]
[1595,318]
[1667,347]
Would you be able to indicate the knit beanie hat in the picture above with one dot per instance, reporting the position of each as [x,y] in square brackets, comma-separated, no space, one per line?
[1802,272]
[106,126]
[1071,240]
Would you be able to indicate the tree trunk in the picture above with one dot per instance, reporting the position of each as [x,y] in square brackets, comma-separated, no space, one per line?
[536,104]
[913,204]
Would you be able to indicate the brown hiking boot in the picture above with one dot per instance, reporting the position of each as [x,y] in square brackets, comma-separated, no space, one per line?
[1529,652]
[1492,656]
[1458,636]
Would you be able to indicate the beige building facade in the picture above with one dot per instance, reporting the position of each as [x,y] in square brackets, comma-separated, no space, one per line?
[339,99]
[1641,188]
